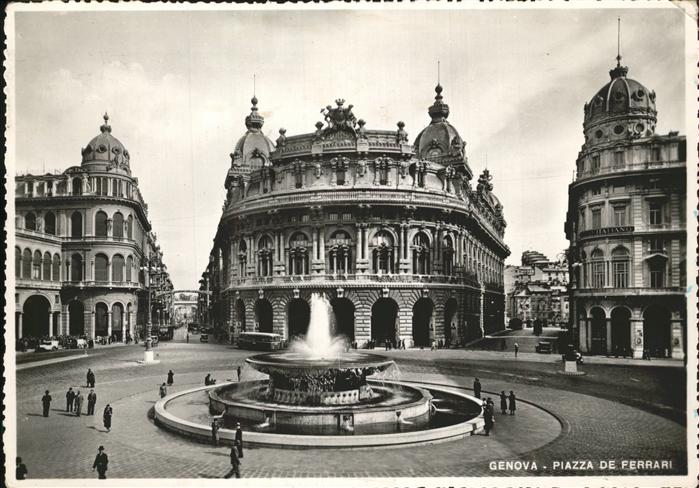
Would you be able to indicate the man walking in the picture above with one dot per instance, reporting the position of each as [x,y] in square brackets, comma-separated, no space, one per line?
[488,417]
[90,378]
[46,402]
[235,463]
[78,403]
[70,398]
[513,402]
[503,402]
[101,461]
[214,431]
[516,349]
[239,439]
[91,401]
[239,371]
[170,378]
[477,388]
[163,391]
[107,417]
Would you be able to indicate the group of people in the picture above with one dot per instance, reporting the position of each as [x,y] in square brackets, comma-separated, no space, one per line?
[170,382]
[508,403]
[75,399]
[236,453]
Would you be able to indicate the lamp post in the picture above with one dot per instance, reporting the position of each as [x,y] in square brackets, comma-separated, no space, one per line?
[151,266]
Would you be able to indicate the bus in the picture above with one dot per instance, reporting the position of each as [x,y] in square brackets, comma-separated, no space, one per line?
[260,340]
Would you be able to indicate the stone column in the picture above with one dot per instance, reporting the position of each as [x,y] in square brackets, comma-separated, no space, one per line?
[66,321]
[109,323]
[677,339]
[131,322]
[609,335]
[365,241]
[321,244]
[637,339]
[123,328]
[358,249]
[51,328]
[19,326]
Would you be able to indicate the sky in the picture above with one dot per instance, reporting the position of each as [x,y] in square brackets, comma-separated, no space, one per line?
[177,87]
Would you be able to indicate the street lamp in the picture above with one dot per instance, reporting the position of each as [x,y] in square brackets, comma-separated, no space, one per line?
[151,266]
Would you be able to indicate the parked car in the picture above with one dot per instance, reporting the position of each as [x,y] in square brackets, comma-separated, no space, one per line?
[543,347]
[47,346]
[204,337]
[81,343]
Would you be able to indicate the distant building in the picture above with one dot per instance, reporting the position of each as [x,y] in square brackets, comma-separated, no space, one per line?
[392,233]
[81,237]
[537,290]
[627,227]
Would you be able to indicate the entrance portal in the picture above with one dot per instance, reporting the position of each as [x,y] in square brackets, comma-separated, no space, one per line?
[451,321]
[343,309]
[298,317]
[263,315]
[599,331]
[383,320]
[657,332]
[621,331]
[422,322]
[37,316]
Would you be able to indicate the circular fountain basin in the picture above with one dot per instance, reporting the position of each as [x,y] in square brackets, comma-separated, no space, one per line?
[292,362]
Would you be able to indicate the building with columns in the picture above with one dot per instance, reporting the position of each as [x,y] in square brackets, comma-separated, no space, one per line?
[391,232]
[627,227]
[81,237]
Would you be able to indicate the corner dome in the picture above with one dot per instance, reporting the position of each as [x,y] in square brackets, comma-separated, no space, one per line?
[623,102]
[252,151]
[106,149]
[439,139]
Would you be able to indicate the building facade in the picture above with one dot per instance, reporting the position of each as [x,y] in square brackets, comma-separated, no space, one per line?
[81,237]
[391,232]
[627,227]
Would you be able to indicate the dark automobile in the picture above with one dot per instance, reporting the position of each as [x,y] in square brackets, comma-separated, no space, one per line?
[543,347]
[204,337]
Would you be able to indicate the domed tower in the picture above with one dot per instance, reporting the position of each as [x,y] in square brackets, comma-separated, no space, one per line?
[106,152]
[621,109]
[440,142]
[252,151]
[627,228]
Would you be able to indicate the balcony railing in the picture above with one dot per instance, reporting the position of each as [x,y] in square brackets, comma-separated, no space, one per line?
[357,277]
[629,167]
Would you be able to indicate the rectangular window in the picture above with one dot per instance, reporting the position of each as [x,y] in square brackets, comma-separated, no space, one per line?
[340,177]
[595,163]
[655,154]
[619,215]
[347,216]
[305,218]
[30,187]
[656,245]
[333,216]
[598,274]
[619,159]
[621,272]
[596,218]
[383,176]
[657,273]
[596,191]
[655,216]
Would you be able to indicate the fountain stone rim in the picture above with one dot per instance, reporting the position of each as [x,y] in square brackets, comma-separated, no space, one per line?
[287,362]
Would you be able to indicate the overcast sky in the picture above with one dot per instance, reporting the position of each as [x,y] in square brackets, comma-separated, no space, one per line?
[177,86]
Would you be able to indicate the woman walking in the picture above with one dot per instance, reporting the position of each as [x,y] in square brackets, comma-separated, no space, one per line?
[513,402]
[107,417]
[503,402]
[170,378]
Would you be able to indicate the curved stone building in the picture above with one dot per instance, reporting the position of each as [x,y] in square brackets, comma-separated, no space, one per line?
[81,236]
[627,227]
[392,232]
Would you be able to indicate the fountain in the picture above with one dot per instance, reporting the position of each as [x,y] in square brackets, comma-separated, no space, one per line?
[319,390]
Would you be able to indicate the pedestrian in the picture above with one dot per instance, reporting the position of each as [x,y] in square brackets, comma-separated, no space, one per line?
[107,417]
[101,462]
[70,398]
[434,345]
[235,463]
[477,388]
[21,470]
[503,402]
[187,337]
[78,403]
[163,391]
[516,349]
[170,378]
[90,378]
[513,402]
[207,379]
[488,418]
[91,401]
[46,402]
[239,439]
[214,431]
[239,371]
[402,344]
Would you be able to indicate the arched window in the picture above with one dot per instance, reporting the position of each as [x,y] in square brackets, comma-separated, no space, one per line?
[382,254]
[421,254]
[620,267]
[56,267]
[340,252]
[242,258]
[298,254]
[129,265]
[76,267]
[598,275]
[101,273]
[101,224]
[30,221]
[265,254]
[46,267]
[448,255]
[129,227]
[118,268]
[50,223]
[77,186]
[36,266]
[27,264]
[76,224]
[118,225]
[18,262]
